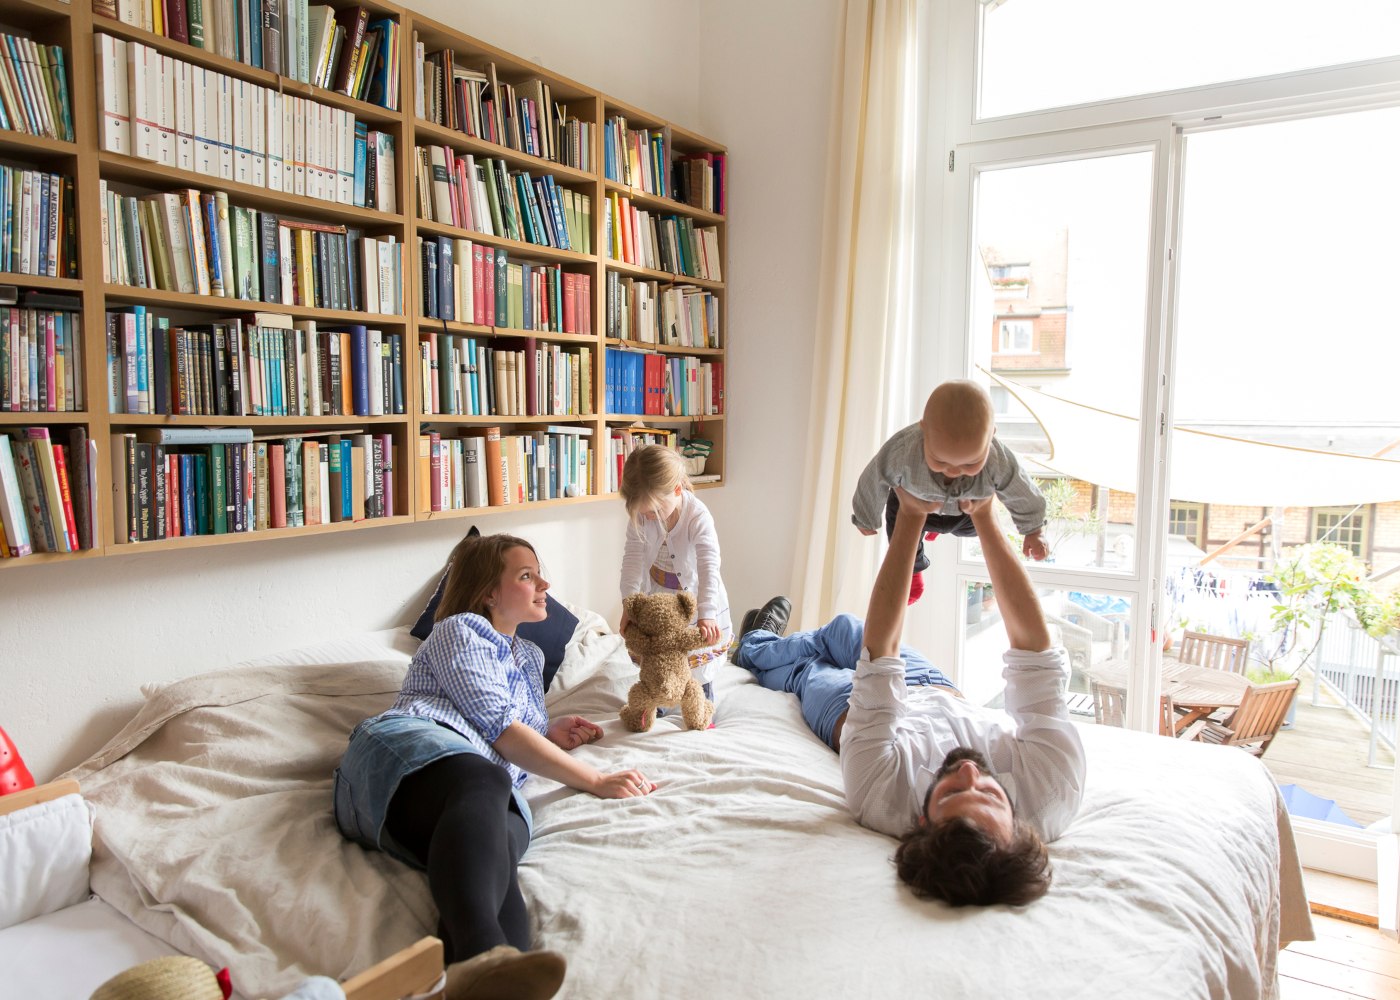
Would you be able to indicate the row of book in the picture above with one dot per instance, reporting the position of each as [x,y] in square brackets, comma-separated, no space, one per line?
[48,491]
[489,469]
[264,365]
[198,243]
[642,159]
[663,243]
[640,382]
[486,196]
[38,227]
[174,482]
[41,355]
[509,377]
[350,53]
[159,108]
[469,282]
[640,309]
[622,441]
[34,96]
[522,116]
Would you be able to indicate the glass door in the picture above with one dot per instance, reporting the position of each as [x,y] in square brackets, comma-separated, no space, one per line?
[1284,526]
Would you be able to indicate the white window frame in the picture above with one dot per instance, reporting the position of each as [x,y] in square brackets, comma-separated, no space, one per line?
[958,143]
[1026,326]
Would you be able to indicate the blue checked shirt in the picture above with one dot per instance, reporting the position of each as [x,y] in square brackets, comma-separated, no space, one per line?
[471,678]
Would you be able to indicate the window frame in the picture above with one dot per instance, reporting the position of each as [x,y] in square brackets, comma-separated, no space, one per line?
[1362,516]
[1020,322]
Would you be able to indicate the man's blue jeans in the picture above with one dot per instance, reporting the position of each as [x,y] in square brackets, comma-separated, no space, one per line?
[819,666]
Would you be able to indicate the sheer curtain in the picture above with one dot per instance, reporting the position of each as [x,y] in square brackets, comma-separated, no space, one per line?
[863,350]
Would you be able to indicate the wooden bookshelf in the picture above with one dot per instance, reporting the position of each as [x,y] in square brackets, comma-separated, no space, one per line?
[73,27]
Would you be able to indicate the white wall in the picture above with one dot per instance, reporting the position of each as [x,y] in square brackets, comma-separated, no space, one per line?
[77,640]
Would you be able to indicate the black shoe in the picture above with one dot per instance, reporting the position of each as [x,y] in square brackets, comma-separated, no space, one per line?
[772,617]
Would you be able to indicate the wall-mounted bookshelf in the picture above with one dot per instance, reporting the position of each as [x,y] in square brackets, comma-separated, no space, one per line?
[325,275]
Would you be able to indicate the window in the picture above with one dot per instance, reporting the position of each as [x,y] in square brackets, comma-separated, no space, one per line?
[1187,520]
[1344,526]
[1017,337]
[1039,54]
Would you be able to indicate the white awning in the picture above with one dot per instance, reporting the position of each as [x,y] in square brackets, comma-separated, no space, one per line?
[1099,446]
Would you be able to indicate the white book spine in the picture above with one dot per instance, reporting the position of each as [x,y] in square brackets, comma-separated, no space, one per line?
[185,99]
[284,254]
[373,353]
[257,134]
[145,129]
[225,111]
[162,84]
[115,94]
[288,143]
[272,125]
[129,12]
[242,128]
[369,273]
[298,146]
[181,253]
[347,158]
[206,124]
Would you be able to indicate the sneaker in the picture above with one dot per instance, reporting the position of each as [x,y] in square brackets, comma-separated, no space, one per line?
[772,617]
[916,587]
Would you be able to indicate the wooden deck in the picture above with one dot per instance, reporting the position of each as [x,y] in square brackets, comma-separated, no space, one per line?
[1325,752]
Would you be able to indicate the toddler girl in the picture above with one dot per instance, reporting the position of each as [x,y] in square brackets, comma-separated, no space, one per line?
[672,546]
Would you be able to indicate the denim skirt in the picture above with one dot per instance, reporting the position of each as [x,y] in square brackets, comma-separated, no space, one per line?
[382,752]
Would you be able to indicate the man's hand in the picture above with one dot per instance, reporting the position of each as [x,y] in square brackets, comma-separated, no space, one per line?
[917,505]
[569,732]
[978,510]
[865,531]
[1035,547]
[709,630]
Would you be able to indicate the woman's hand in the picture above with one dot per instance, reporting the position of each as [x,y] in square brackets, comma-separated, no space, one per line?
[569,732]
[622,785]
[622,625]
[709,630]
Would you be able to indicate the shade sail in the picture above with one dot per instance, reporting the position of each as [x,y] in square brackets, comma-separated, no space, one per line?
[1100,446]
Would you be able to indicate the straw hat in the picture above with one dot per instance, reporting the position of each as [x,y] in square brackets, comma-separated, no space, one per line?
[175,977]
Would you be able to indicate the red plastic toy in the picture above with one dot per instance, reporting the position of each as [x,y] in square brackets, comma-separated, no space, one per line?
[14,776]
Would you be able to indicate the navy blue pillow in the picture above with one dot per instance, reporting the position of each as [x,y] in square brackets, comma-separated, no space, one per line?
[551,635]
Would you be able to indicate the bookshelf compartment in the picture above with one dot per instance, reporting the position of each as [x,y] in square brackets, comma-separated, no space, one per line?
[48,491]
[501,466]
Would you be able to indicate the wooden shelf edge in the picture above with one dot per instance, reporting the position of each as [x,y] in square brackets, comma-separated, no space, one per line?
[652,418]
[267,534]
[447,515]
[119,420]
[10,418]
[642,345]
[24,142]
[461,142]
[212,303]
[667,276]
[519,247]
[638,196]
[74,285]
[429,326]
[47,558]
[132,169]
[497,420]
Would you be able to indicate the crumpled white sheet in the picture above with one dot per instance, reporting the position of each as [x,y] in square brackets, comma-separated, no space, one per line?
[743,875]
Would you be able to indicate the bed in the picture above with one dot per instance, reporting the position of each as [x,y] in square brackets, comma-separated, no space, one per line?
[742,875]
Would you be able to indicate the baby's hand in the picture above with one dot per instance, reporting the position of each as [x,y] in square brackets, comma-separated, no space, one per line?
[709,630]
[1035,547]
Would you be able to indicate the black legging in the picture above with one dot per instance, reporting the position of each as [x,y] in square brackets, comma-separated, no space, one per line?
[457,816]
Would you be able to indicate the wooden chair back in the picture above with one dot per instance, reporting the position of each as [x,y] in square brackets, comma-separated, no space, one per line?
[1262,710]
[1108,704]
[1215,651]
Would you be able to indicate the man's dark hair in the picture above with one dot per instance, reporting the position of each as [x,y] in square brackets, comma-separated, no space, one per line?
[960,864]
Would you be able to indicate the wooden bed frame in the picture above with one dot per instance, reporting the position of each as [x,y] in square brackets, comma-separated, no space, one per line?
[412,971]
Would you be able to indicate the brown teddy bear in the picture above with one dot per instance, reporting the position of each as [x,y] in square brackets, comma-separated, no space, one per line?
[659,634]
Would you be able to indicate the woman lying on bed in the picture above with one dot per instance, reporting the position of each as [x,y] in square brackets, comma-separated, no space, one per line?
[434,781]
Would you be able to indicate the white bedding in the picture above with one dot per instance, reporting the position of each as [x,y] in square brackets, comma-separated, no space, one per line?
[742,875]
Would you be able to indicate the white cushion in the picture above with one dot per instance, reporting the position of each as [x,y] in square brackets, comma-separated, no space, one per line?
[44,856]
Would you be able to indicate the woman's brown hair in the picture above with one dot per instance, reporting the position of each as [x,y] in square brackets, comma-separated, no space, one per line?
[474,570]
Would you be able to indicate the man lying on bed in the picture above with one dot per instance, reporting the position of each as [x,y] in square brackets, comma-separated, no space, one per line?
[972,798]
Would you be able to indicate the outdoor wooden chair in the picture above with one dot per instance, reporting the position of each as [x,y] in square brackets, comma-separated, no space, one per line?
[1215,651]
[1255,723]
[1109,706]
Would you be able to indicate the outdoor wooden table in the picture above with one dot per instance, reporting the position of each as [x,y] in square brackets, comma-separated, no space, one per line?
[1198,691]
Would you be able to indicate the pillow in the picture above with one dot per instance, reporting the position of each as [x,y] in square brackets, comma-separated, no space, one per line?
[44,855]
[551,635]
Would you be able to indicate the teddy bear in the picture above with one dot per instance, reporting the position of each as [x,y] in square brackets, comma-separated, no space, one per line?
[659,634]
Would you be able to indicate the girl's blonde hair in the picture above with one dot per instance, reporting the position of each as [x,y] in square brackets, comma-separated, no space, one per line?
[477,564]
[651,473]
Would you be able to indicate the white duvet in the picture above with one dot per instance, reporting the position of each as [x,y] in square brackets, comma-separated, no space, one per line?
[741,876]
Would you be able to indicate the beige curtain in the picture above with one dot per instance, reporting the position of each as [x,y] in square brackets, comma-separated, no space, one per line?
[861,374]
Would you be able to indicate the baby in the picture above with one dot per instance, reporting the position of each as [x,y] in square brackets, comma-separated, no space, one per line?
[951,455]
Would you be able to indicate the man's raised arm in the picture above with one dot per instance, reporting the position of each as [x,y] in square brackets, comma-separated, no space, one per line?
[1020,608]
[884,622]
